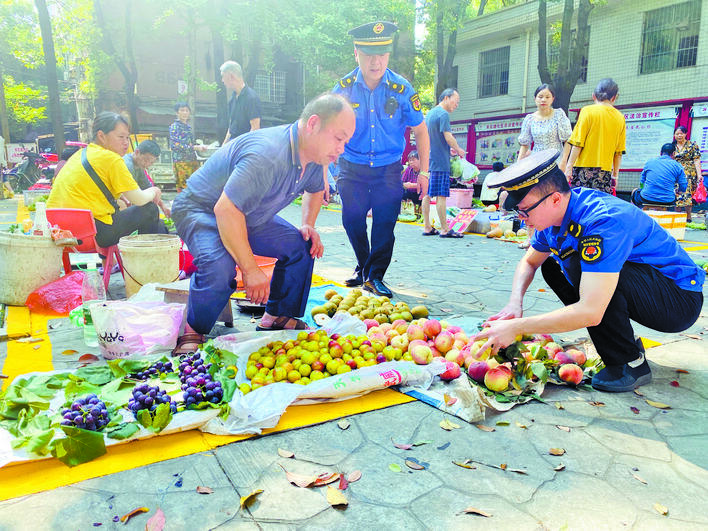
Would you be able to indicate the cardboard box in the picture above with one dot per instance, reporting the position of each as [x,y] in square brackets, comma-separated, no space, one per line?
[673,222]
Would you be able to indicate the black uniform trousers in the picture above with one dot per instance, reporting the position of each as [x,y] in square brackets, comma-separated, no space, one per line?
[643,294]
[380,189]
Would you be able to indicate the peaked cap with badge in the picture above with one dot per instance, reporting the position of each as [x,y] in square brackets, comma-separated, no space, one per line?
[374,38]
[519,178]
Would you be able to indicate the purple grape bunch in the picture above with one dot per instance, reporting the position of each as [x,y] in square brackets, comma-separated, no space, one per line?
[154,371]
[197,383]
[149,397]
[87,412]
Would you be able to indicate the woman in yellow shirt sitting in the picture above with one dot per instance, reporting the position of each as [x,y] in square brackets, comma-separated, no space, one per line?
[598,142]
[96,178]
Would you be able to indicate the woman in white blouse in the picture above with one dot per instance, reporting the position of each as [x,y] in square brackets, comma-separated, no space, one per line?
[547,128]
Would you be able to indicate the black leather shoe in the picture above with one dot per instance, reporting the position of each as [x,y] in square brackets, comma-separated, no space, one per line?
[377,287]
[355,281]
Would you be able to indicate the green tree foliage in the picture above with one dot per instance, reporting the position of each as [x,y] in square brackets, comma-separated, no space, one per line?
[26,105]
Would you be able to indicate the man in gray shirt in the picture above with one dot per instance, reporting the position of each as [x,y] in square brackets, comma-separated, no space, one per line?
[228,213]
[145,155]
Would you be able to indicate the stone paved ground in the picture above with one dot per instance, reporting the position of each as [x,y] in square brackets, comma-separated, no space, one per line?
[618,464]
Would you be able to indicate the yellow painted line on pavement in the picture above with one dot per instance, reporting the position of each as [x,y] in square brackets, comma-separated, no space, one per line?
[24,357]
[701,247]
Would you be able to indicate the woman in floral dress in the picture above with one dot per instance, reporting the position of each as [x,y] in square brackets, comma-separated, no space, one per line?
[688,154]
[184,159]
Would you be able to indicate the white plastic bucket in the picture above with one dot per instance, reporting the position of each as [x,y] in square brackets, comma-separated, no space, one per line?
[26,263]
[149,258]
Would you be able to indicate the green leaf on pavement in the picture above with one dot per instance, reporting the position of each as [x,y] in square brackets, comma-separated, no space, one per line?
[123,431]
[96,375]
[79,446]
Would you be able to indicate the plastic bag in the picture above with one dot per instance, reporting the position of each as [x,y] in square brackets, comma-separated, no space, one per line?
[59,297]
[126,328]
[699,195]
[469,173]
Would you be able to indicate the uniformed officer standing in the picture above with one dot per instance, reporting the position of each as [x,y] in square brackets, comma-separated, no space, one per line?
[610,263]
[370,168]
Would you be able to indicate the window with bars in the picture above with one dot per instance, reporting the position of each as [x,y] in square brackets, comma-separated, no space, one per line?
[554,56]
[670,37]
[494,72]
[270,86]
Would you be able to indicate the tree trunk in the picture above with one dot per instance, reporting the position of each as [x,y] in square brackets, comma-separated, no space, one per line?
[4,124]
[446,59]
[482,5]
[50,61]
[543,71]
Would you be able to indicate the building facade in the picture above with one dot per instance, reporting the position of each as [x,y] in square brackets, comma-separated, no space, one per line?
[656,51]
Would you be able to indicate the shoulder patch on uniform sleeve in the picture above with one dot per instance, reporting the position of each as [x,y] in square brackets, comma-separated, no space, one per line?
[590,248]
[575,229]
[354,105]
[346,81]
[397,87]
[415,101]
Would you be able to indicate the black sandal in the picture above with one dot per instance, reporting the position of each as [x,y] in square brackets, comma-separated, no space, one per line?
[451,234]
[280,324]
[433,232]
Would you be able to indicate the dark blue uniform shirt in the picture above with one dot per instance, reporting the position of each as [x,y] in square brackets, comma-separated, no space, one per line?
[379,136]
[260,172]
[607,232]
[659,177]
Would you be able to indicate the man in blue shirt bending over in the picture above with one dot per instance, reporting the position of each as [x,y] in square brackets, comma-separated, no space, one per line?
[228,213]
[659,181]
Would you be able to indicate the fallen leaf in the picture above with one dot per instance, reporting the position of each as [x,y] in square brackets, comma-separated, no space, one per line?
[596,404]
[693,336]
[29,339]
[393,467]
[559,467]
[448,425]
[503,466]
[541,290]
[517,471]
[88,358]
[635,410]
[478,512]
[128,516]
[448,310]
[449,400]
[343,424]
[444,446]
[354,476]
[485,428]
[658,405]
[414,464]
[253,319]
[326,478]
[502,423]
[556,451]
[641,480]
[522,426]
[638,392]
[464,464]
[287,454]
[156,521]
[248,500]
[343,483]
[682,371]
[299,479]
[559,405]
[401,446]
[674,383]
[205,490]
[69,352]
[36,347]
[661,509]
[335,497]
[421,443]
[564,428]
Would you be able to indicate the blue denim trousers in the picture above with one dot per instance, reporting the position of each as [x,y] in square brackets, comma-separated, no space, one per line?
[362,188]
[214,281]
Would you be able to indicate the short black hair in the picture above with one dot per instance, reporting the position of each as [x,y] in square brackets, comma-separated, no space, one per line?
[556,181]
[606,89]
[107,121]
[668,149]
[149,146]
[327,105]
[497,166]
[181,104]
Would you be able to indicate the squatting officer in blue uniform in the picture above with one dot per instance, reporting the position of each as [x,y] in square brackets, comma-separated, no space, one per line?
[370,168]
[607,261]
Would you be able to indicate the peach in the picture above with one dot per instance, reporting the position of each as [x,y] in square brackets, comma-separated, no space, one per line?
[453,329]
[370,322]
[421,354]
[562,358]
[570,373]
[452,371]
[373,330]
[461,336]
[477,370]
[400,342]
[385,327]
[459,344]
[444,324]
[552,347]
[390,334]
[431,328]
[455,355]
[435,351]
[415,332]
[412,344]
[542,338]
[400,326]
[444,341]
[497,379]
[577,356]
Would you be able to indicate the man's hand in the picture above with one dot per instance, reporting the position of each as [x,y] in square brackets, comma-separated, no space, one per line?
[499,334]
[158,194]
[510,311]
[568,171]
[165,209]
[422,188]
[310,234]
[257,285]
[461,152]
[122,203]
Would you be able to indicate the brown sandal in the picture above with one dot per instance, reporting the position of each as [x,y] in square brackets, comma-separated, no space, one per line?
[184,342]
[280,323]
